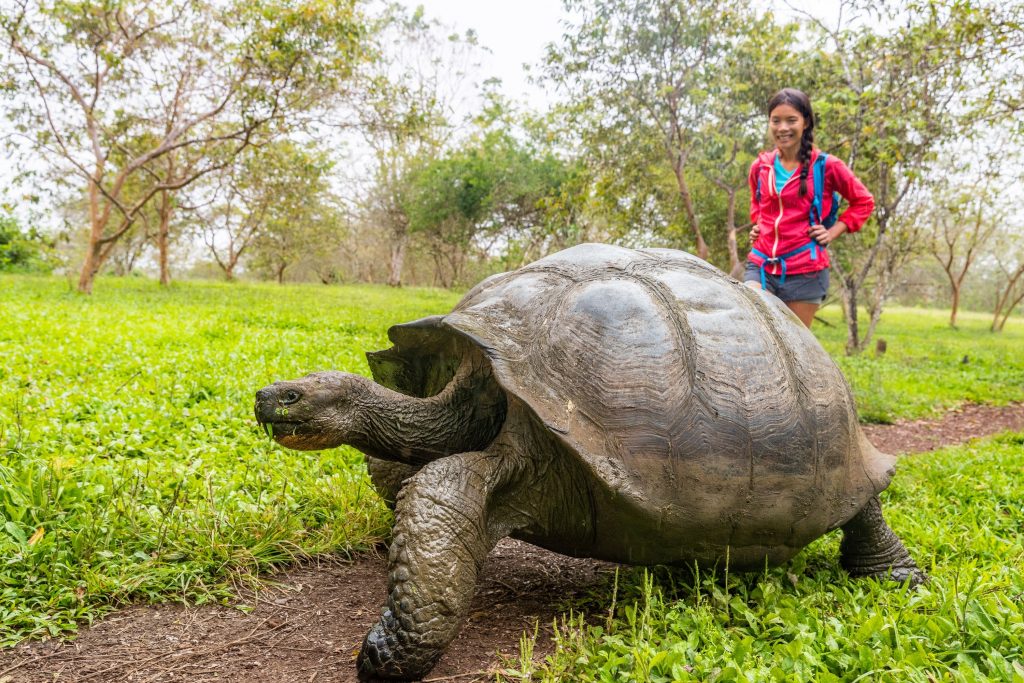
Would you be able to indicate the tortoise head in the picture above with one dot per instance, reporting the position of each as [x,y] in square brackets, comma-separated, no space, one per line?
[311,413]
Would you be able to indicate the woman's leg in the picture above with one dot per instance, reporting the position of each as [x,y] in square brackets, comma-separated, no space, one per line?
[804,310]
[804,293]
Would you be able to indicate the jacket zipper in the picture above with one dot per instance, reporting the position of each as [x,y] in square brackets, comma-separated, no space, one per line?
[771,182]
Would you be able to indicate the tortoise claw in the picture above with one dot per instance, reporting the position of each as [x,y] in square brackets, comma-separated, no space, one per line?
[912,576]
[382,658]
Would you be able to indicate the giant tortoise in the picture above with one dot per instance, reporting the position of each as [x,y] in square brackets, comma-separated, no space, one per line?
[636,406]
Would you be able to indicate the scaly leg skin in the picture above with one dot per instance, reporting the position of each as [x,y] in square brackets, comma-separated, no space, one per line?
[441,539]
[870,548]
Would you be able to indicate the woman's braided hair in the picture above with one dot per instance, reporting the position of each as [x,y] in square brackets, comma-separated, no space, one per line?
[802,103]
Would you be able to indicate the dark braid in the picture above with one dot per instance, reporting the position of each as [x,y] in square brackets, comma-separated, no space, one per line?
[806,145]
[802,103]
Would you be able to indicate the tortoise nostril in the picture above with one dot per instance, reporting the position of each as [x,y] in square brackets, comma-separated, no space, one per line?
[289,397]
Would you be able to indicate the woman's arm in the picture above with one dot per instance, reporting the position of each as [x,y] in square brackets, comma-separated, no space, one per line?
[860,201]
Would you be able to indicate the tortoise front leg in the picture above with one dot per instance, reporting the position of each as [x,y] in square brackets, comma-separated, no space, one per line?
[871,548]
[441,538]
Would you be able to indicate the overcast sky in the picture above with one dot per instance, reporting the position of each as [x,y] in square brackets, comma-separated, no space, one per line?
[516,32]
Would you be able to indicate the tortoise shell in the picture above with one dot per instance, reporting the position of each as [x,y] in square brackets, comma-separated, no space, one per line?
[690,400]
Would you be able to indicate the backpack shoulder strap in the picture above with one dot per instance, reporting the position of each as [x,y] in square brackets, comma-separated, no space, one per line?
[818,173]
[757,191]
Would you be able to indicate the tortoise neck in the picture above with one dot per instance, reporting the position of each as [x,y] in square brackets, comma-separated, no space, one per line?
[464,417]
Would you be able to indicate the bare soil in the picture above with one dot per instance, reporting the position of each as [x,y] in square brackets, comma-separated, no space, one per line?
[968,422]
[308,626]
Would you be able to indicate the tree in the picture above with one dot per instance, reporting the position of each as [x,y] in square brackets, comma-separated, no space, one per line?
[892,104]
[494,191]
[22,250]
[963,228]
[286,213]
[642,78]
[128,252]
[1009,257]
[234,207]
[405,105]
[734,132]
[172,89]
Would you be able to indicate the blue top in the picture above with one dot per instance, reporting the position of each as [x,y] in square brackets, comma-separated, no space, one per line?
[782,176]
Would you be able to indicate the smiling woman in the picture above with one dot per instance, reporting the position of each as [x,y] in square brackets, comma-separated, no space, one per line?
[792,220]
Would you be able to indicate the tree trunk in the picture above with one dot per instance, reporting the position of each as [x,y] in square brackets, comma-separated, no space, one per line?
[91,266]
[1006,314]
[280,273]
[848,294]
[1009,311]
[162,237]
[730,224]
[93,254]
[398,245]
[852,323]
[1003,301]
[691,214]
[954,305]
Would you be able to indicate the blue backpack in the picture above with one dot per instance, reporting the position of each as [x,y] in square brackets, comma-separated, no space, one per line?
[818,173]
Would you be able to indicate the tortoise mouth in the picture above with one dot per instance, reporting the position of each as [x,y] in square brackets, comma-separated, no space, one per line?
[299,436]
[278,430]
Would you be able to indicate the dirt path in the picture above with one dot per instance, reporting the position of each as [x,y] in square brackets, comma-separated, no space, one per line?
[969,422]
[309,627]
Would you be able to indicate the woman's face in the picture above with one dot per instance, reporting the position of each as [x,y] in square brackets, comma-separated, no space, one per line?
[786,126]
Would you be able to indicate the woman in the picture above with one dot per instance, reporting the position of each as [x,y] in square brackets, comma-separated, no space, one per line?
[788,256]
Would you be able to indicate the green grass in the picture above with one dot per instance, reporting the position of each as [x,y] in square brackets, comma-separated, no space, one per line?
[131,469]
[961,513]
[923,372]
[130,464]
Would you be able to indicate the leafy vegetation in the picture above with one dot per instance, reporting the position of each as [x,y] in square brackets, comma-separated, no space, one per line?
[652,115]
[22,250]
[131,469]
[223,77]
[960,511]
[130,464]
[929,367]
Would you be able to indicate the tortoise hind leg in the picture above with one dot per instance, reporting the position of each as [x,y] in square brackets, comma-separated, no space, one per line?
[442,536]
[871,548]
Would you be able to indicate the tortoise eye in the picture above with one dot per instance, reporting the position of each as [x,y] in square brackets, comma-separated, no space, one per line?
[289,397]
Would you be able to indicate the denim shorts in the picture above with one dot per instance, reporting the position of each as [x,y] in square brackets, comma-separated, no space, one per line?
[807,287]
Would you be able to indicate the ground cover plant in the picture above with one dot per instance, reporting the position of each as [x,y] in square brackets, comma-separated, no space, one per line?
[960,511]
[130,463]
[929,367]
[131,467]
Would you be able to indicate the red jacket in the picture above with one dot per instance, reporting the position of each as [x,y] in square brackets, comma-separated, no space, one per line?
[783,217]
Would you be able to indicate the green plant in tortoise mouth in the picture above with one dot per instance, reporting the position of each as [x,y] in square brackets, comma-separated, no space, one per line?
[636,406]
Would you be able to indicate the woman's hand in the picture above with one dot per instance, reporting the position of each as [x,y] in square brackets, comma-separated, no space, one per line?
[754,232]
[824,236]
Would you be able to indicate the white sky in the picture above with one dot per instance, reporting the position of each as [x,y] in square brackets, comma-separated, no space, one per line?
[517,32]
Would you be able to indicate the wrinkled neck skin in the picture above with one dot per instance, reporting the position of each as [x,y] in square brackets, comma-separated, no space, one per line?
[465,416]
